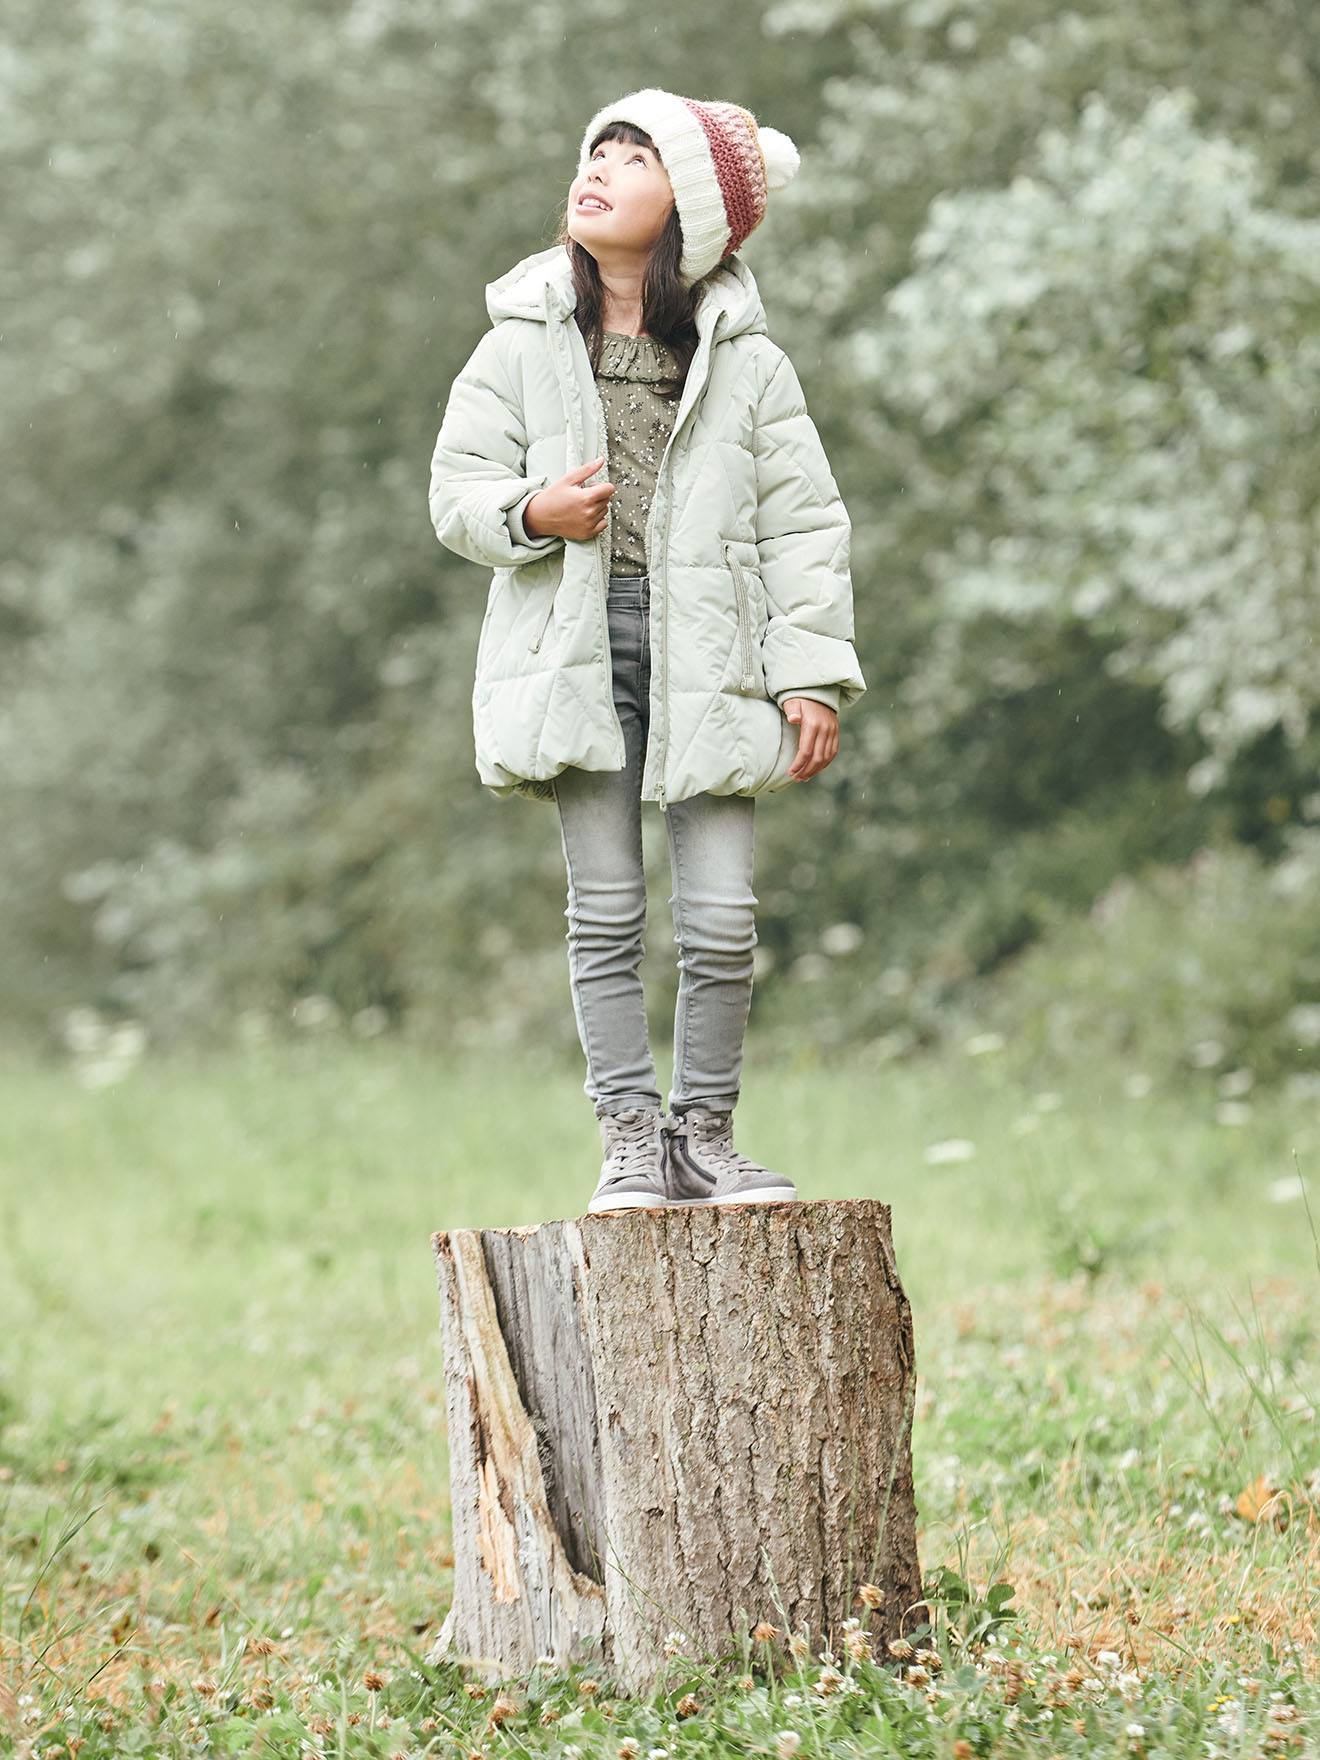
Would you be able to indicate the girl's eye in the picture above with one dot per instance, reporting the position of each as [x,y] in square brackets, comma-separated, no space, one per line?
[639,154]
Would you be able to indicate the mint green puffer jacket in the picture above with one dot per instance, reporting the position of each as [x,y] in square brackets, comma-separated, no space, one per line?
[747,545]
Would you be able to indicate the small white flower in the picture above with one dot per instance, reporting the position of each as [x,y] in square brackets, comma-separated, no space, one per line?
[314,1010]
[948,1149]
[1136,1731]
[842,938]
[1285,1190]
[82,1029]
[128,1040]
[100,1072]
[1236,1082]
[1205,774]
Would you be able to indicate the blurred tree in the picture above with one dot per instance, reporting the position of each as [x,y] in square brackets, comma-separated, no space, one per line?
[247,254]
[998,233]
[1119,356]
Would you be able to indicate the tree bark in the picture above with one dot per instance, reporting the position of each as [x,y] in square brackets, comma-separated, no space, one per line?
[690,1420]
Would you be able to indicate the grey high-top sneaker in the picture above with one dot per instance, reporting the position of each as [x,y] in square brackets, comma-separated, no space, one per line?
[632,1174]
[703,1167]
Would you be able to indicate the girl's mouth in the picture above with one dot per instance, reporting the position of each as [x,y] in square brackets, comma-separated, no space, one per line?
[588,205]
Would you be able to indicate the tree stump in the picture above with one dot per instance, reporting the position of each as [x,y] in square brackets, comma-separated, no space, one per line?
[691,1419]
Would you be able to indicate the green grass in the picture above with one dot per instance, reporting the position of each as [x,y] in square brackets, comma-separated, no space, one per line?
[223,1498]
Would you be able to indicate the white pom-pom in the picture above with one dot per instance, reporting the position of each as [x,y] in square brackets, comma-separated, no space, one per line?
[781,157]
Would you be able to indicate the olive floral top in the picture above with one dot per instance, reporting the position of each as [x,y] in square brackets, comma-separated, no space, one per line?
[632,372]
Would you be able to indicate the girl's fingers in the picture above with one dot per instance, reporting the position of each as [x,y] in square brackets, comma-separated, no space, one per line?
[815,751]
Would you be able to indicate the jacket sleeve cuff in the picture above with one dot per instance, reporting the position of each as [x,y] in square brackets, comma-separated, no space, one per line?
[822,693]
[514,520]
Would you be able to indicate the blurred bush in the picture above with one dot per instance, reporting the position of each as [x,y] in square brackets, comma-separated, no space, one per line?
[1050,280]
[1207,974]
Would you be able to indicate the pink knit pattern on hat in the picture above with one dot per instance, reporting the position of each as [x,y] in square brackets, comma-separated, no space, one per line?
[731,134]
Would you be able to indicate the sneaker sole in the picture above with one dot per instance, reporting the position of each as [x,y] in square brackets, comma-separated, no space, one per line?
[767,1197]
[627,1201]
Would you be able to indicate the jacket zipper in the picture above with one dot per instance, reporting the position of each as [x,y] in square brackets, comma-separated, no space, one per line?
[605,541]
[559,338]
[661,798]
[652,533]
[744,619]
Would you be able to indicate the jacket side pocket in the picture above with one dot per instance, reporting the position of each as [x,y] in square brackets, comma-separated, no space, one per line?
[556,566]
[748,682]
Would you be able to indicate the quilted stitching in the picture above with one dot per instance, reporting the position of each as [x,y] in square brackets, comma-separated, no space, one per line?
[516,399]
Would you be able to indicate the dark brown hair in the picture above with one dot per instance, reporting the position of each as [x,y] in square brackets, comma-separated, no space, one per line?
[669,306]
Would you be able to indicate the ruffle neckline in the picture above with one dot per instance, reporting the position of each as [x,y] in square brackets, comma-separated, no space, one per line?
[636,357]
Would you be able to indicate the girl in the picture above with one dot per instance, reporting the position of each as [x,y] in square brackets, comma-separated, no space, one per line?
[632,455]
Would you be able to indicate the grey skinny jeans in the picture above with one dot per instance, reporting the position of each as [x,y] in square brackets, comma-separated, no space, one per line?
[711,854]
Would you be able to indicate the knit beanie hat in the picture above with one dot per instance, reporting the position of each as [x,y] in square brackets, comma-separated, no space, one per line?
[721,166]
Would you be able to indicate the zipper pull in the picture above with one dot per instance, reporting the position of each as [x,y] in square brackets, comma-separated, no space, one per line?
[533,647]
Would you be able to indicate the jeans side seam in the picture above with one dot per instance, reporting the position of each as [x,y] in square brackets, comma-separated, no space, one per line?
[575,976]
[684,996]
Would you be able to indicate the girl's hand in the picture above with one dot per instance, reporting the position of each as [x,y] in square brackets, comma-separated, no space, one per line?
[818,735]
[566,509]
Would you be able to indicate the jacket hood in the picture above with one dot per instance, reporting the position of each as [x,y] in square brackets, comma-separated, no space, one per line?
[542,284]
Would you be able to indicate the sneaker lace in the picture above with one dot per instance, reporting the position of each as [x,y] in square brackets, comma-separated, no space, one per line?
[633,1135]
[712,1132]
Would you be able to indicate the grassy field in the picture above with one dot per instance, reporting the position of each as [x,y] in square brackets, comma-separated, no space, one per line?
[223,1512]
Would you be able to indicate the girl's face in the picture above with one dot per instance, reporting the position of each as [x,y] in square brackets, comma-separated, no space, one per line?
[635,187]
